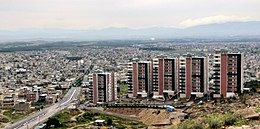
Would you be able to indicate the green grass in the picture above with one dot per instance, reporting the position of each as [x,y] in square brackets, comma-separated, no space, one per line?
[65,117]
[16,115]
[187,124]
[83,120]
[257,109]
[214,121]
[228,119]
[3,120]
[123,89]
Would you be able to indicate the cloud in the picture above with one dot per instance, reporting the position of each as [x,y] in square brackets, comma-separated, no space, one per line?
[213,19]
[146,3]
[84,14]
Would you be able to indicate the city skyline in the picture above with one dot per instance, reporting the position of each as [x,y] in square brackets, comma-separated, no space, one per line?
[130,64]
[95,75]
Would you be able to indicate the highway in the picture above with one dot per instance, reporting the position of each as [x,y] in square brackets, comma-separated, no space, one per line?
[41,116]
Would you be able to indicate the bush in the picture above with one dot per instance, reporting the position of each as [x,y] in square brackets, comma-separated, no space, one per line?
[257,109]
[252,84]
[109,121]
[90,115]
[81,119]
[214,124]
[187,124]
[4,120]
[53,121]
[197,126]
[120,126]
[230,120]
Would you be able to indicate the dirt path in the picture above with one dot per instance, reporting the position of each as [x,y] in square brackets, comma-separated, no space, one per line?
[135,118]
[2,125]
[80,125]
[74,117]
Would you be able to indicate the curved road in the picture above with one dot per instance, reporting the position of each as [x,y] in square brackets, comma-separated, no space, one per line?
[40,116]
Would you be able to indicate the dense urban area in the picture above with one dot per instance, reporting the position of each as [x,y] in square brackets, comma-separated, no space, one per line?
[155,84]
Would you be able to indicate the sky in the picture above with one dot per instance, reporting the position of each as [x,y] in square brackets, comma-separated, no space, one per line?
[97,14]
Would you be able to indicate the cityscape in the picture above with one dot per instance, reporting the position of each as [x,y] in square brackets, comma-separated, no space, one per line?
[131,64]
[107,77]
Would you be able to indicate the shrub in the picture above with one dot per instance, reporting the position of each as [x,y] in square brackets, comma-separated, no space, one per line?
[4,120]
[214,124]
[257,109]
[81,119]
[197,126]
[187,124]
[120,126]
[230,120]
[109,121]
[53,121]
[89,115]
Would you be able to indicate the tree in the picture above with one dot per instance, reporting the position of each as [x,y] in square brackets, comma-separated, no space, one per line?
[53,122]
[252,84]
[109,121]
[254,90]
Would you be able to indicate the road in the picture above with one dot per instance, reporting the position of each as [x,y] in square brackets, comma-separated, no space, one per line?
[40,116]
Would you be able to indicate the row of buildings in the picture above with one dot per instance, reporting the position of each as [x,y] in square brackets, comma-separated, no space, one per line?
[182,77]
[22,98]
[186,76]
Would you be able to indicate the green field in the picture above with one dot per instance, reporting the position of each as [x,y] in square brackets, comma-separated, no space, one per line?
[16,115]
[77,119]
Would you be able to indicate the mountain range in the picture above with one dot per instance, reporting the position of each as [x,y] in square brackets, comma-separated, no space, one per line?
[221,30]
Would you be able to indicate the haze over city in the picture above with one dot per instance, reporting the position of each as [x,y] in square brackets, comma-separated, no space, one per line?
[86,19]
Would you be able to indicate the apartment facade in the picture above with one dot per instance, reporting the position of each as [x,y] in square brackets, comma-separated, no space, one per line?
[228,73]
[8,102]
[140,79]
[102,87]
[162,77]
[192,76]
[167,77]
[187,76]
[155,76]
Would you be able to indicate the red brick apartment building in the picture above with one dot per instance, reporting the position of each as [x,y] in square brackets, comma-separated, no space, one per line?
[228,73]
[102,87]
[162,77]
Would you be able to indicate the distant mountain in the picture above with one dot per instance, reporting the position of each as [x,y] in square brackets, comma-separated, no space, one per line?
[222,30]
[225,29]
